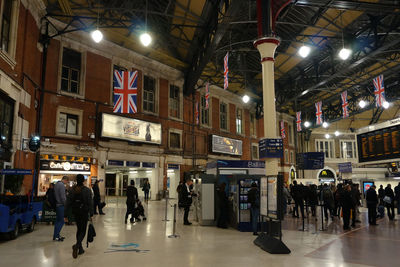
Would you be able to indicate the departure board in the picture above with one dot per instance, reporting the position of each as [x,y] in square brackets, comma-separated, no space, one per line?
[379,144]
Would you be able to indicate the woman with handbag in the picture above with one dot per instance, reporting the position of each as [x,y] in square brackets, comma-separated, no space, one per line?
[389,201]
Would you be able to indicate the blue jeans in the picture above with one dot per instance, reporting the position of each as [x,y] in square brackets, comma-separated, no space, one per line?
[255,213]
[59,221]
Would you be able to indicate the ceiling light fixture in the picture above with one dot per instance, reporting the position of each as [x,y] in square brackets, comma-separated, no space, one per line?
[304,51]
[245,98]
[325,124]
[97,35]
[145,37]
[386,105]
[344,53]
[362,104]
[337,133]
[327,136]
[307,124]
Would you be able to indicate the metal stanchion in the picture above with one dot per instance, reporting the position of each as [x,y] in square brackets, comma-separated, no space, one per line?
[166,210]
[322,218]
[174,235]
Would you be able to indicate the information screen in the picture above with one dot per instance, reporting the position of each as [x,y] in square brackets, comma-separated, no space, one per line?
[379,144]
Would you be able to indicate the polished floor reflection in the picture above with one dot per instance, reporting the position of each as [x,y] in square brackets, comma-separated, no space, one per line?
[149,245]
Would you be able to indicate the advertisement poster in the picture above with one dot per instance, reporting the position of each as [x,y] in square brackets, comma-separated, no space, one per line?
[226,145]
[272,186]
[130,129]
[264,196]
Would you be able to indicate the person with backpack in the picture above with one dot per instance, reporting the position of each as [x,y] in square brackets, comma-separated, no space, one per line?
[80,201]
[131,198]
[50,197]
[146,190]
[253,197]
[297,195]
[60,198]
[327,197]
[389,201]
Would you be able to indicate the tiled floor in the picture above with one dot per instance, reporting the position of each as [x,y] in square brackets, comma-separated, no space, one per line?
[203,246]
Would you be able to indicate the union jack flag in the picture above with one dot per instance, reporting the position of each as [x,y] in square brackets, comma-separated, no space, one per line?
[226,71]
[344,104]
[298,121]
[125,91]
[318,112]
[197,113]
[207,94]
[283,133]
[379,91]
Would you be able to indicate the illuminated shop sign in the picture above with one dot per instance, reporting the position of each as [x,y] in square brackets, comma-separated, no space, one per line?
[131,130]
[65,158]
[226,145]
[64,166]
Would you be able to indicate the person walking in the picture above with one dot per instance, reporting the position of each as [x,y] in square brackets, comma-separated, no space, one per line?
[327,197]
[60,196]
[131,198]
[253,197]
[397,197]
[223,205]
[185,197]
[389,199]
[356,196]
[347,206]
[97,199]
[372,202]
[298,200]
[146,190]
[80,201]
[313,199]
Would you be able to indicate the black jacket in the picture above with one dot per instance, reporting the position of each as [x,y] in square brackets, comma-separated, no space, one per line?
[254,197]
[347,200]
[96,192]
[397,192]
[131,195]
[381,193]
[371,197]
[297,193]
[86,195]
[185,197]
[389,193]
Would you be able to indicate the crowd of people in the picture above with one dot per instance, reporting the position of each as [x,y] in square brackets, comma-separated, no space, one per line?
[342,200]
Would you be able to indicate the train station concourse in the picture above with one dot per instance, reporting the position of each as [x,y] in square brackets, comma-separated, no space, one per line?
[199,133]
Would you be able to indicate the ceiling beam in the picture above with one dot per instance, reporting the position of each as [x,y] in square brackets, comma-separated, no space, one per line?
[350,5]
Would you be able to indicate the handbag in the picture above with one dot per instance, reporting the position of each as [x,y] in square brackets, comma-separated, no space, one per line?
[387,199]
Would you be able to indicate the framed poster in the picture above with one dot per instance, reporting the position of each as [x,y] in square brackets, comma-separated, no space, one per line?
[272,192]
[264,196]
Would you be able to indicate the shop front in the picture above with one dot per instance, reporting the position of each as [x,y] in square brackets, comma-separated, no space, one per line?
[54,167]
[173,178]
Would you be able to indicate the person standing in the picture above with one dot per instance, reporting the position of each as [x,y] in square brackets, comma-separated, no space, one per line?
[381,193]
[223,206]
[146,190]
[347,206]
[286,199]
[397,197]
[60,195]
[97,199]
[372,201]
[338,199]
[254,199]
[298,200]
[327,197]
[389,199]
[80,201]
[131,198]
[185,196]
[313,199]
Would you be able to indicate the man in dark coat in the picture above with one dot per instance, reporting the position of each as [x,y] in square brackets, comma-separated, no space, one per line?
[80,201]
[372,201]
[381,192]
[347,206]
[96,198]
[254,199]
[131,198]
[223,205]
[185,196]
[397,197]
[297,195]
[390,204]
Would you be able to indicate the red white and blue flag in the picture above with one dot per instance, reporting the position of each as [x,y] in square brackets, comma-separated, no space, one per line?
[298,121]
[283,133]
[226,71]
[345,104]
[379,91]
[207,96]
[318,112]
[125,91]
[197,112]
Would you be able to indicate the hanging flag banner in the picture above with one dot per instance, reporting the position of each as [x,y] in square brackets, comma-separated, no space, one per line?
[379,91]
[345,104]
[283,133]
[207,96]
[298,121]
[125,91]
[226,71]
[197,113]
[318,112]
